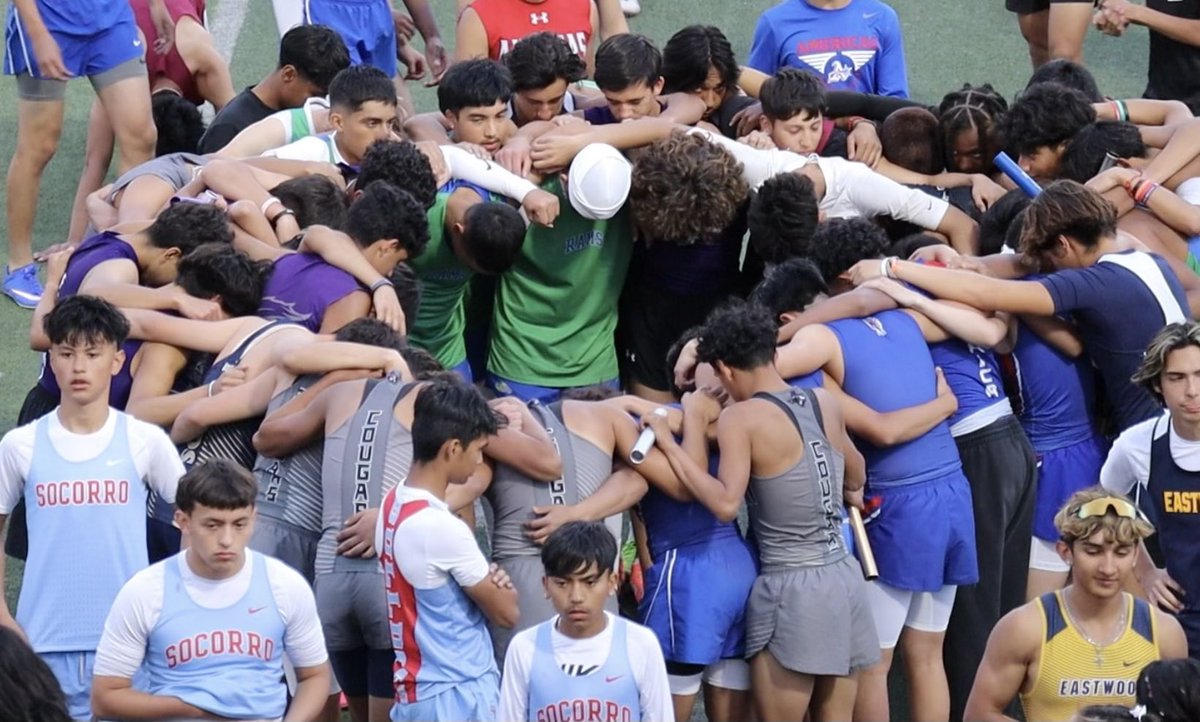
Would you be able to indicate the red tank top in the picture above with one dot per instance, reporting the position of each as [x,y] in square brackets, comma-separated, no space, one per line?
[171,65]
[507,21]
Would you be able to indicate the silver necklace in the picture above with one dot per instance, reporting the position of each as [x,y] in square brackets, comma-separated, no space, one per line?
[1097,645]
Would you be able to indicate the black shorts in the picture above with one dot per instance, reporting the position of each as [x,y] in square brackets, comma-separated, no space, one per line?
[1027,7]
[650,321]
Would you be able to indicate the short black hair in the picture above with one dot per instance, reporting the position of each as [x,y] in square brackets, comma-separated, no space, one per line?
[402,164]
[1085,153]
[688,55]
[317,52]
[493,234]
[912,139]
[783,216]
[738,334]
[477,83]
[1068,73]
[1046,114]
[422,364]
[576,547]
[910,244]
[29,689]
[995,225]
[446,410]
[217,270]
[85,319]
[217,484]
[839,243]
[371,332]
[178,121]
[315,199]
[790,92]
[359,84]
[539,60]
[385,211]
[789,287]
[624,60]
[187,226]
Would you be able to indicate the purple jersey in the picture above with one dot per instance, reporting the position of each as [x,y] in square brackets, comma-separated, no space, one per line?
[302,287]
[106,246]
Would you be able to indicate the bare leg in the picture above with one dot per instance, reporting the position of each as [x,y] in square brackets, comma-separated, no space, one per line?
[780,695]
[1035,27]
[39,126]
[833,698]
[97,158]
[208,68]
[1069,23]
[929,692]
[127,103]
[871,702]
[727,705]
[1041,582]
[380,708]
[683,705]
[332,711]
[359,708]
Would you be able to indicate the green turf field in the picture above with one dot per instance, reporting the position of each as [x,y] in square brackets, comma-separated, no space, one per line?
[948,42]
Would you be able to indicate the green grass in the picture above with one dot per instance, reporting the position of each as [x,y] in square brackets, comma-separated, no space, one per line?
[948,42]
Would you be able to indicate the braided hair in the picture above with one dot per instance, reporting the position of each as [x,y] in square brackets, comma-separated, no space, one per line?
[973,107]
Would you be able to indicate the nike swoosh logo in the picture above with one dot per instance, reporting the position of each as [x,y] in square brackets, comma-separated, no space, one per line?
[112,462]
[255,610]
[608,680]
[868,16]
[1128,664]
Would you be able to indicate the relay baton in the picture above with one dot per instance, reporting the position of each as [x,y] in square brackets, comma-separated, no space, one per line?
[1018,176]
[865,556]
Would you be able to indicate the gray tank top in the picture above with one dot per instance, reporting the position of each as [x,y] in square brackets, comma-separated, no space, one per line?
[513,495]
[289,489]
[364,459]
[795,516]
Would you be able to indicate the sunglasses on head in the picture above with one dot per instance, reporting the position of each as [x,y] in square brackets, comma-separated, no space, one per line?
[1101,506]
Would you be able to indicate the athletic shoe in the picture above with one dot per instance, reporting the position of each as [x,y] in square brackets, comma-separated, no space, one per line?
[22,285]
[631,7]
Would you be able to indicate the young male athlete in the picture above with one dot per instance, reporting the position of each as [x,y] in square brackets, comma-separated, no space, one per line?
[439,587]
[1086,643]
[491,28]
[1156,462]
[46,44]
[309,58]
[808,621]
[584,663]
[82,466]
[211,625]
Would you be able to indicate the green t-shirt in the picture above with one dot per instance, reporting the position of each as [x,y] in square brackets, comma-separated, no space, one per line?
[556,308]
[440,317]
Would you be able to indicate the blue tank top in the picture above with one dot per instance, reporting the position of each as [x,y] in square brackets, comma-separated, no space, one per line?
[225,661]
[106,246]
[907,379]
[972,374]
[609,693]
[671,524]
[69,586]
[1175,499]
[814,380]
[1057,393]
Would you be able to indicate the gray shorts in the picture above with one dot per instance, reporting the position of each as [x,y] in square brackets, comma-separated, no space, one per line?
[813,620]
[353,611]
[47,89]
[175,169]
[288,543]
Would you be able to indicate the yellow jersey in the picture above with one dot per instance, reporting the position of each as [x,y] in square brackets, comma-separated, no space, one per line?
[1071,674]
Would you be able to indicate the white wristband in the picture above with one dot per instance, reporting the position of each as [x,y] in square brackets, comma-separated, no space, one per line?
[270,201]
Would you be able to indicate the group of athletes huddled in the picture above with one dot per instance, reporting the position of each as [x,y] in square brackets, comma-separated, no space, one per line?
[629,374]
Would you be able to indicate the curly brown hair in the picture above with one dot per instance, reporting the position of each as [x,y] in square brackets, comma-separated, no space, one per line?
[686,189]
